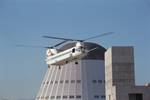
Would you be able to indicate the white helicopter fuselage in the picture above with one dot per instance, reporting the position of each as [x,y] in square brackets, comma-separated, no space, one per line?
[66,56]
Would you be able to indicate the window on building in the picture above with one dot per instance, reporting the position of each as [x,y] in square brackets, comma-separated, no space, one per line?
[58,97]
[64,96]
[59,67]
[46,97]
[72,81]
[71,96]
[99,81]
[103,96]
[47,82]
[136,96]
[66,62]
[78,81]
[61,81]
[96,96]
[94,81]
[56,82]
[52,97]
[76,62]
[78,96]
[51,82]
[66,81]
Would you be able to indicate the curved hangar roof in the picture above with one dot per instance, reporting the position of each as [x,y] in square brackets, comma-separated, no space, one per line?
[95,54]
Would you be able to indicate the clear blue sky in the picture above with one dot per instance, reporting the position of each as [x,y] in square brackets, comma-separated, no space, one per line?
[25,21]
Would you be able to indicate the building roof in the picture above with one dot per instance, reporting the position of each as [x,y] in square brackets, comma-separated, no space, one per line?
[95,54]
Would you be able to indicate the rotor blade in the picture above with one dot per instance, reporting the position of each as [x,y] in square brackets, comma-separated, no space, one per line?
[57,38]
[61,38]
[103,34]
[93,49]
[32,46]
[60,43]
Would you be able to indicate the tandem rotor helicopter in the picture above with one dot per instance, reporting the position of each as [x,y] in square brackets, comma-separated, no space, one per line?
[55,56]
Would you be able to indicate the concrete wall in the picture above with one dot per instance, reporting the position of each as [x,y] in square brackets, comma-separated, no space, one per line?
[119,75]
[119,69]
[122,66]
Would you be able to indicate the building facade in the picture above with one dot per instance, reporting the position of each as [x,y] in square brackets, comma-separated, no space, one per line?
[80,79]
[119,76]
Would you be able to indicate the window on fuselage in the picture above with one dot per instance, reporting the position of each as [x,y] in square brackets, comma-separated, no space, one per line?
[73,50]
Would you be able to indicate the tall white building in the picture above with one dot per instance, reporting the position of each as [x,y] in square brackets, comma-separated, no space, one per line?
[81,79]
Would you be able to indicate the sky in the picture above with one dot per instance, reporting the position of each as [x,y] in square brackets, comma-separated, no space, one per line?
[26,21]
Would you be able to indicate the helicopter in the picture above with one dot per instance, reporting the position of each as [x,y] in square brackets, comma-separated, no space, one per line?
[59,57]
[56,57]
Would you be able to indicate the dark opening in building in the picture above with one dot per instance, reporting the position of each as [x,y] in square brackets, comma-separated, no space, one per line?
[76,62]
[135,96]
